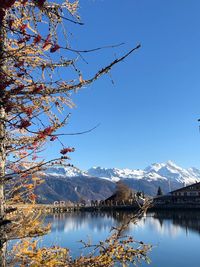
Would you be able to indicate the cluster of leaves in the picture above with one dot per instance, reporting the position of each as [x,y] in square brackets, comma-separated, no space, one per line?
[123,252]
[27,253]
[117,250]
[32,97]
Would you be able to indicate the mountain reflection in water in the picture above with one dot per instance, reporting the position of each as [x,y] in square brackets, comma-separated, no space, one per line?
[175,235]
[166,222]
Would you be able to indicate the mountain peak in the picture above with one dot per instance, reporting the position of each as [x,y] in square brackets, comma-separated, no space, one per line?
[172,164]
[62,171]
[155,172]
[154,167]
[62,182]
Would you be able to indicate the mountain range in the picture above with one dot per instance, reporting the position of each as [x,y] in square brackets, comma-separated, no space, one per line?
[64,183]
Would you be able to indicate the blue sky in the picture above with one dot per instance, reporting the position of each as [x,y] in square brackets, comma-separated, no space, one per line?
[150,112]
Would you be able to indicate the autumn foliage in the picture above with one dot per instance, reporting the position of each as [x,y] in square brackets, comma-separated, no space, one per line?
[34,99]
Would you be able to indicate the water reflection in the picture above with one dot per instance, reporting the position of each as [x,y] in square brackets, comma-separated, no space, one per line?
[174,235]
[97,222]
[188,220]
[169,223]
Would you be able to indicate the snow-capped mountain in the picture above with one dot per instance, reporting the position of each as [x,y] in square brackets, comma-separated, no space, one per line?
[64,183]
[168,171]
[62,171]
[156,171]
[115,174]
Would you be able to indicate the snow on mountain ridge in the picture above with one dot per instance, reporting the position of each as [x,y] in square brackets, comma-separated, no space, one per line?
[63,171]
[155,172]
[114,172]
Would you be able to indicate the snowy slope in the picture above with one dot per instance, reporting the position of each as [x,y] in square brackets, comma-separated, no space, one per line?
[155,172]
[168,171]
[66,183]
[62,171]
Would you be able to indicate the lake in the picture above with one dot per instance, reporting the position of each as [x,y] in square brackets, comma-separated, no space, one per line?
[175,236]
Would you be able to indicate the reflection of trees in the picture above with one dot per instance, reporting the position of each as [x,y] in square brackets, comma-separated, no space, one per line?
[188,219]
[168,222]
[80,221]
[96,221]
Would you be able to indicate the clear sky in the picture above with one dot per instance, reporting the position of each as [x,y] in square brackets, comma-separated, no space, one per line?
[150,112]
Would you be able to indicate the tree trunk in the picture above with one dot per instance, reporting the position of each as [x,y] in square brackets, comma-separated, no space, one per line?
[2,198]
[2,146]
[2,160]
[3,246]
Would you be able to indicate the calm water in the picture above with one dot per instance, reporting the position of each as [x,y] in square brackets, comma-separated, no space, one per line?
[174,235]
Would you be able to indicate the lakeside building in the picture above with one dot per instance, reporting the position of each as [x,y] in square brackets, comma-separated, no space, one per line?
[188,195]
